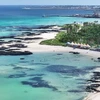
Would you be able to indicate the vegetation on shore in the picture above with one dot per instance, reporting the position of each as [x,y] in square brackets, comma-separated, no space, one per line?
[87,33]
[53,42]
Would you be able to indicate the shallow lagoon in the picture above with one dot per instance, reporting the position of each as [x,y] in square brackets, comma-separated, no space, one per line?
[45,76]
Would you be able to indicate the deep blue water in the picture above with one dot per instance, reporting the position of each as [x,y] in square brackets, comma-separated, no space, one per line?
[18,11]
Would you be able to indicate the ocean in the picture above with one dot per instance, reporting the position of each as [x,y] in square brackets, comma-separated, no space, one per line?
[42,76]
[14,18]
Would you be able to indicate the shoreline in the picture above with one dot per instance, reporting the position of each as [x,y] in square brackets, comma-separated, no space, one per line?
[34,46]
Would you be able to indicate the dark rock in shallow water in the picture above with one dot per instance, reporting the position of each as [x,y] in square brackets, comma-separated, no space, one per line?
[70,70]
[35,38]
[3,37]
[36,75]
[40,63]
[38,82]
[28,34]
[18,45]
[24,28]
[96,73]
[3,48]
[96,76]
[75,91]
[17,75]
[22,68]
[59,54]
[45,26]
[98,59]
[22,58]
[12,49]
[94,83]
[93,88]
[74,52]
[3,52]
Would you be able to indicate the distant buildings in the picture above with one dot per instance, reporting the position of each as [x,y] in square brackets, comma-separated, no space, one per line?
[97,13]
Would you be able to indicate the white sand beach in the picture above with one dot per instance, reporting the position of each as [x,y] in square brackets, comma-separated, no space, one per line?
[34,46]
[93,96]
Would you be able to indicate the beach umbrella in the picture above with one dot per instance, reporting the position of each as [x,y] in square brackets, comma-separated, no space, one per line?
[75,44]
[88,45]
[72,43]
[78,44]
[81,45]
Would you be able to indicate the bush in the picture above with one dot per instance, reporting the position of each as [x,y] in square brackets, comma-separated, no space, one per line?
[62,37]
[52,42]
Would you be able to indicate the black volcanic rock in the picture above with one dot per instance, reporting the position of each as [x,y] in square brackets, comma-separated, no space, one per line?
[18,45]
[74,52]
[17,75]
[23,68]
[75,91]
[28,34]
[35,38]
[3,52]
[3,37]
[45,26]
[94,83]
[98,59]
[93,88]
[3,48]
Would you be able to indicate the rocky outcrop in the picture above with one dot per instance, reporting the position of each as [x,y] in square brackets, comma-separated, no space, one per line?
[18,45]
[11,52]
[35,38]
[94,83]
[98,59]
[28,34]
[74,52]
[4,37]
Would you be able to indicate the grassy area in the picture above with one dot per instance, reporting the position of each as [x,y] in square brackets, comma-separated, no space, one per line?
[53,42]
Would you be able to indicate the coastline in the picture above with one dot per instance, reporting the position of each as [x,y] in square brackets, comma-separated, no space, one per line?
[34,46]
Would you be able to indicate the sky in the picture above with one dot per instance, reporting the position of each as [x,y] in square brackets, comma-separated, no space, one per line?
[49,2]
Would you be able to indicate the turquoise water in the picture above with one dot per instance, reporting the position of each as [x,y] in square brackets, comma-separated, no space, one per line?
[61,76]
[42,76]
[32,21]
[14,25]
